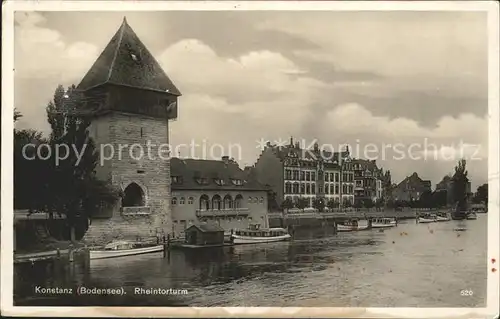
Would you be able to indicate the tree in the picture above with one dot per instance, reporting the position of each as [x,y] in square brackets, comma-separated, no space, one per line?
[439,198]
[68,187]
[29,192]
[331,204]
[347,203]
[75,191]
[319,204]
[286,204]
[379,203]
[368,203]
[460,181]
[302,203]
[272,202]
[17,115]
[387,186]
[426,200]
[481,195]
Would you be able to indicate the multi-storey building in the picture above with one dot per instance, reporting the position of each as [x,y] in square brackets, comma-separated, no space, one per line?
[210,191]
[293,172]
[411,188]
[367,181]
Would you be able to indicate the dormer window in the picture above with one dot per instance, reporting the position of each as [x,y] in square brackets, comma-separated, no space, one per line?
[202,181]
[237,182]
[219,181]
[176,179]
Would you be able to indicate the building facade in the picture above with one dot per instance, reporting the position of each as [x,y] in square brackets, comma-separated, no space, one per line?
[131,100]
[295,173]
[215,192]
[411,188]
[368,184]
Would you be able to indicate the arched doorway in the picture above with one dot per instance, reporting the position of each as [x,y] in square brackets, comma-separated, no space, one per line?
[228,202]
[238,201]
[204,202]
[216,202]
[133,196]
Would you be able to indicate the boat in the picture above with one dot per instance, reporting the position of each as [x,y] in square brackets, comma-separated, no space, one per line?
[383,222]
[254,235]
[349,225]
[442,217]
[471,216]
[427,218]
[124,248]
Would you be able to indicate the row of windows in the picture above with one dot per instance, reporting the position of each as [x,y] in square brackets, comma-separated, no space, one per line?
[221,218]
[295,200]
[216,202]
[298,175]
[311,176]
[311,189]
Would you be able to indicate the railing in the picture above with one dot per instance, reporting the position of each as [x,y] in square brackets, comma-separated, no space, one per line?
[222,212]
[346,213]
[136,210]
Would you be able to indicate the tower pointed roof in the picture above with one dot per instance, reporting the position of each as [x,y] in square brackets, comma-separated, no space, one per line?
[126,61]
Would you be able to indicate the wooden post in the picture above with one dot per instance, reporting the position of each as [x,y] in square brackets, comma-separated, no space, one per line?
[71,254]
[164,247]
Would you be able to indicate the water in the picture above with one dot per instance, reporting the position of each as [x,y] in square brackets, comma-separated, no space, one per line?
[424,265]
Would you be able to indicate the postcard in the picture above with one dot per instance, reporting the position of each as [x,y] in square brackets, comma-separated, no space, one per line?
[250,159]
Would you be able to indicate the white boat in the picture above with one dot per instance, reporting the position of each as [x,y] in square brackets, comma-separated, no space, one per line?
[349,225]
[427,218]
[471,216]
[254,235]
[383,222]
[443,217]
[124,248]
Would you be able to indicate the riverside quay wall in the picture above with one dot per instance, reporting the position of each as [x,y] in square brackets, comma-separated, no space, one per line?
[316,219]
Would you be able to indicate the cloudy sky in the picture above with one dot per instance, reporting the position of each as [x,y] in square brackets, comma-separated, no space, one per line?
[415,78]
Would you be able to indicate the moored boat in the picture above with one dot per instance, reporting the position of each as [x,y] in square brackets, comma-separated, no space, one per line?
[124,248]
[349,225]
[426,218]
[442,217]
[255,235]
[383,222]
[471,216]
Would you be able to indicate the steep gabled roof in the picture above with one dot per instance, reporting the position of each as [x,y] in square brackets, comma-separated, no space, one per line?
[190,170]
[126,61]
[282,152]
[370,165]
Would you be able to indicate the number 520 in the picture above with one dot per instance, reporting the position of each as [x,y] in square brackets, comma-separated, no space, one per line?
[466,293]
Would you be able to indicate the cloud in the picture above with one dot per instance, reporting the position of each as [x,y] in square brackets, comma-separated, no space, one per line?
[353,118]
[403,145]
[254,76]
[42,53]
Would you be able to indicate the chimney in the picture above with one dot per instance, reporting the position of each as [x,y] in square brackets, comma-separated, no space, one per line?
[316,147]
[225,159]
[297,145]
[291,141]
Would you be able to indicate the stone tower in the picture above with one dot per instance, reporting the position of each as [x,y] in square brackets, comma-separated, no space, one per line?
[132,100]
